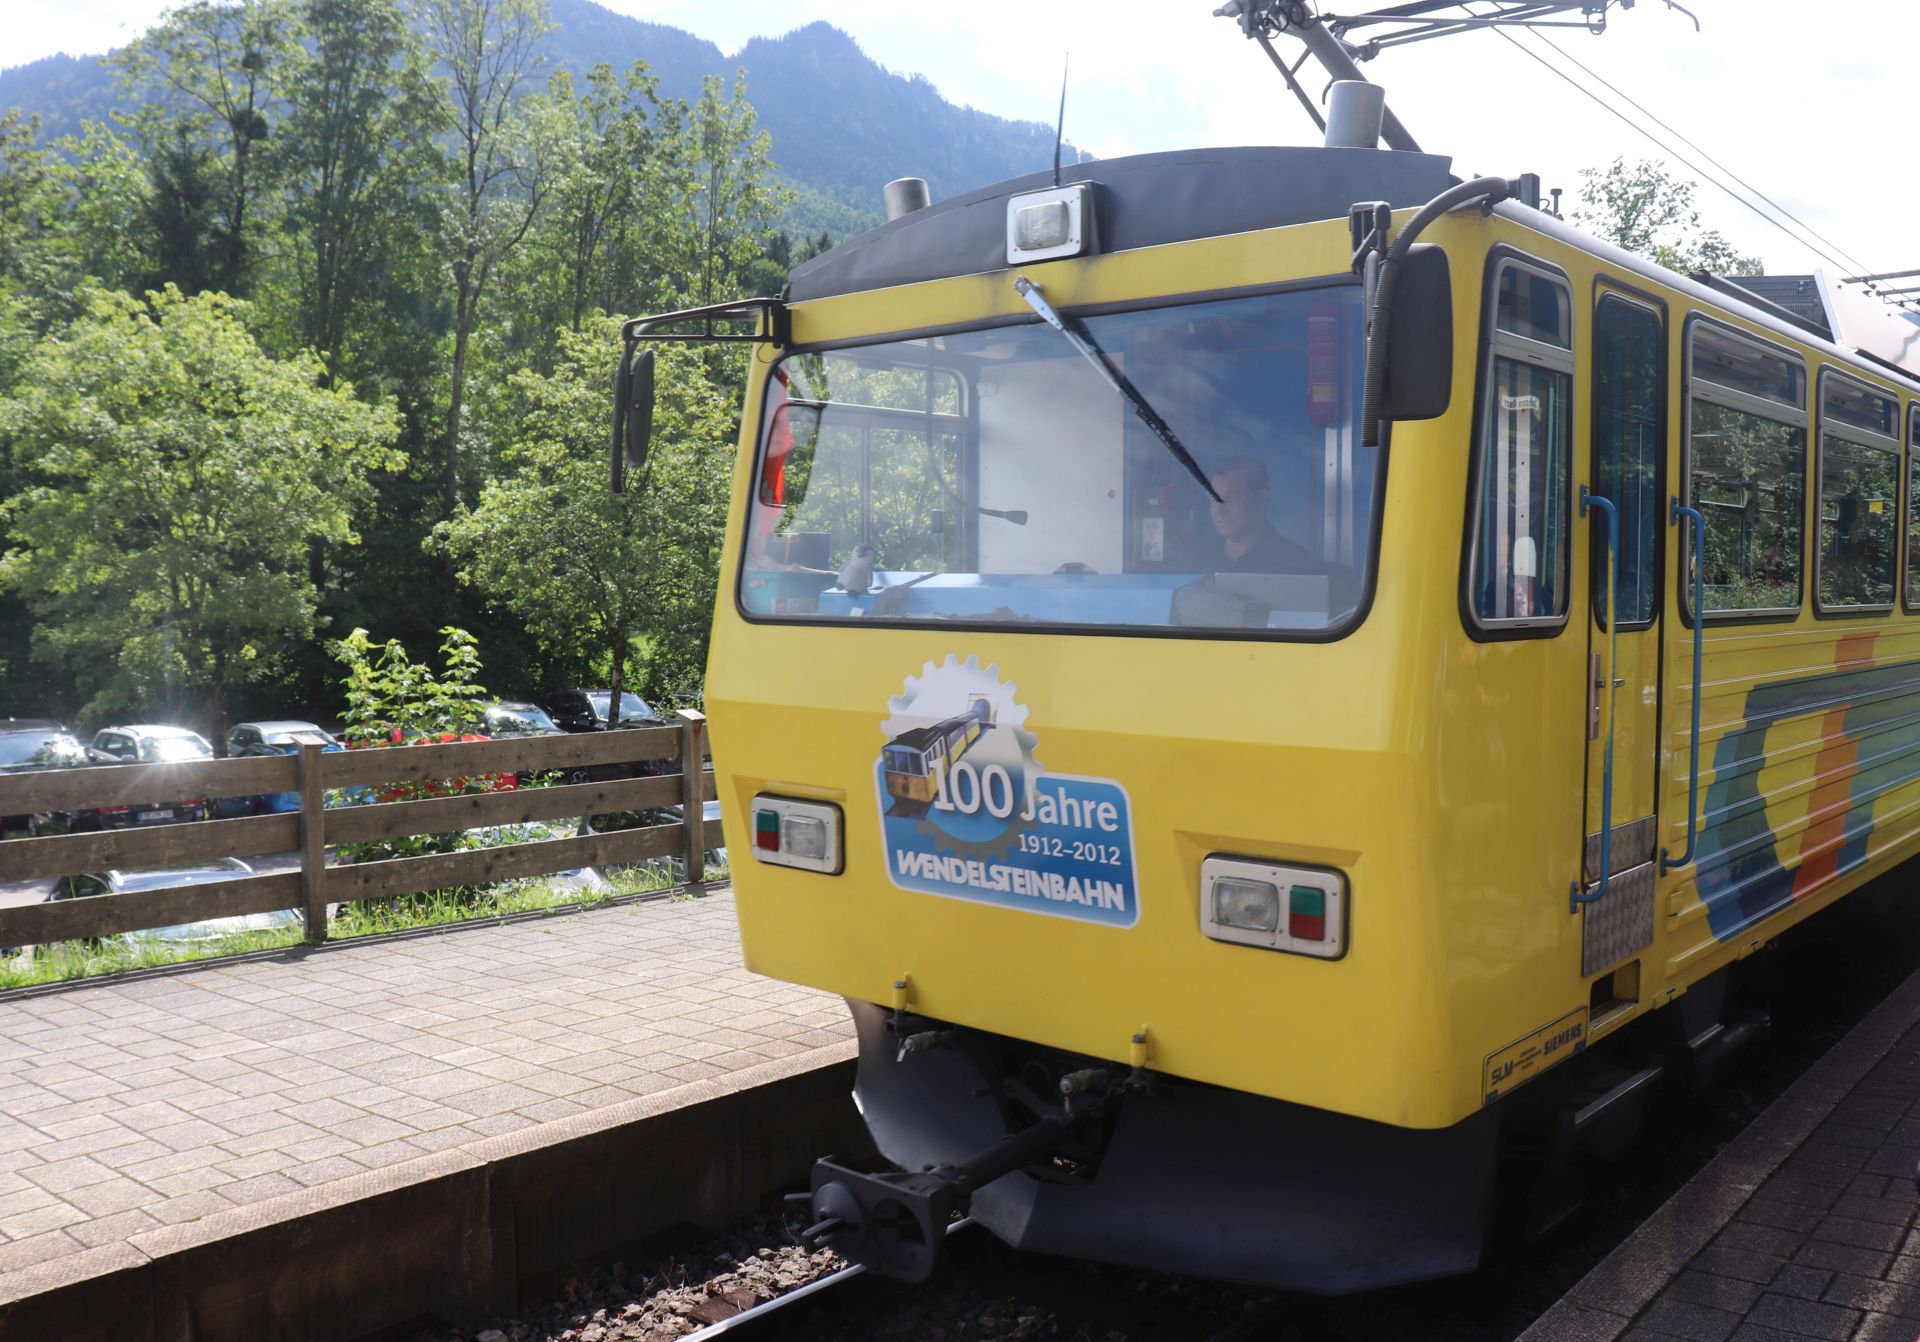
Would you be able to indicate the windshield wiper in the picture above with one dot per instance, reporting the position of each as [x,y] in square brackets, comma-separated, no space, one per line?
[1077,337]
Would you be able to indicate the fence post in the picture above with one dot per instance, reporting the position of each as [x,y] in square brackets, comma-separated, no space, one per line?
[693,792]
[313,842]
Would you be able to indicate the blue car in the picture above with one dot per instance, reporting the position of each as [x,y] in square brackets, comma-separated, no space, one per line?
[249,739]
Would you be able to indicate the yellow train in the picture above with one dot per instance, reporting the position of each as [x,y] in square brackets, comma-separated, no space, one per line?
[1380,725]
[918,762]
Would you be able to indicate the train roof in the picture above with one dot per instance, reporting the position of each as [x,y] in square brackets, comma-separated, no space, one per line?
[1144,200]
[918,738]
[1844,321]
[1148,200]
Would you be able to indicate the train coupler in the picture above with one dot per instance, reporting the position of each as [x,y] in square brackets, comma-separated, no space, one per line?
[894,1222]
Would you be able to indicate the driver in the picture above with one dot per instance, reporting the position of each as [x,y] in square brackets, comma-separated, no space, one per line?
[1248,542]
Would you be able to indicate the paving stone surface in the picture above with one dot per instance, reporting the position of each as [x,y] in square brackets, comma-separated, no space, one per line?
[1807,1227]
[161,1100]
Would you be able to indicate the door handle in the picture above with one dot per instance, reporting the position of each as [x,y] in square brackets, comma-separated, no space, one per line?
[1698,525]
[1578,895]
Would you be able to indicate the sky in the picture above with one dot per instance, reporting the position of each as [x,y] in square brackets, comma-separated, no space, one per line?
[1799,108]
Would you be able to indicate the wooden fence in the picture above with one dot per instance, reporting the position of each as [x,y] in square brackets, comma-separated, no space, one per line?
[311,774]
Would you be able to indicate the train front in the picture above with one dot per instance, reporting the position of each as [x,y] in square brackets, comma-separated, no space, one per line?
[1064,728]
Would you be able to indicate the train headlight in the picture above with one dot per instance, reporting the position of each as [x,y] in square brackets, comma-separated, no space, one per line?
[803,836]
[789,832]
[1299,910]
[1043,225]
[1249,906]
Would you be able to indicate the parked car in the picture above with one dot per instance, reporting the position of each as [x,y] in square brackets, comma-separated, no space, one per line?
[249,740]
[145,743]
[514,719]
[578,880]
[676,867]
[161,878]
[28,745]
[508,718]
[586,710]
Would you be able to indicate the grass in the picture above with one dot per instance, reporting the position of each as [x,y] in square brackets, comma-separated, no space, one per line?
[64,960]
[436,908]
[68,960]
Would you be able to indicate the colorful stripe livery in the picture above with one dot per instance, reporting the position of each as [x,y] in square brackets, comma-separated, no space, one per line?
[1869,732]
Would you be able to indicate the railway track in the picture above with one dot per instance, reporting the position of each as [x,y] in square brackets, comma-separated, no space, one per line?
[785,1316]
[1832,977]
[761,1317]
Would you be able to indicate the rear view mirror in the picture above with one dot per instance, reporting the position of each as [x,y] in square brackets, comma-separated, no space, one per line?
[1419,381]
[632,415]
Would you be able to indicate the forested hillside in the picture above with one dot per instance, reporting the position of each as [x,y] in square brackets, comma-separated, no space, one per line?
[306,314]
[841,124]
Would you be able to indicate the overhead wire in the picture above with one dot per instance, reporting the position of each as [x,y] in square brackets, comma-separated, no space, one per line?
[1859,266]
[1813,245]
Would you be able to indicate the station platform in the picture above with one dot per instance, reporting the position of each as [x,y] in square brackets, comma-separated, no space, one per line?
[1803,1227]
[510,1079]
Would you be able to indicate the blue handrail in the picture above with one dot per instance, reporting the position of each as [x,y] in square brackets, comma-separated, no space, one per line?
[1577,896]
[1699,524]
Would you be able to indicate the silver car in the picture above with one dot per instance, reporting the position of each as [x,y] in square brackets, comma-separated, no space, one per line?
[162,878]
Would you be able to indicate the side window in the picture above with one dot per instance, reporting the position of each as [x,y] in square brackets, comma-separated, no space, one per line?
[1855,559]
[1629,433]
[1913,527]
[1522,511]
[116,745]
[1746,470]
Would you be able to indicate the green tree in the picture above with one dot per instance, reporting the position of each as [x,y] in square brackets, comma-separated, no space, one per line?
[173,479]
[98,231]
[485,51]
[69,212]
[730,195]
[1648,211]
[607,191]
[27,196]
[595,575]
[209,77]
[356,146]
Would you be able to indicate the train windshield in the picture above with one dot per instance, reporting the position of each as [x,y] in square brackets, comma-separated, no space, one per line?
[993,476]
[903,761]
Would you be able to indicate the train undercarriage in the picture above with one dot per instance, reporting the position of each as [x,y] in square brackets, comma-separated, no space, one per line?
[1063,1154]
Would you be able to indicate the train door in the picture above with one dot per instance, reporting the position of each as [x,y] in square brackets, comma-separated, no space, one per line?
[1624,507]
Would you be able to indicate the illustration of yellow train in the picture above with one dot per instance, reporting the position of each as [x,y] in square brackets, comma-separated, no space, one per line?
[917,761]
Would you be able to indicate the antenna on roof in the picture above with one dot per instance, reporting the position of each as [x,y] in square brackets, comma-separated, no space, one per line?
[1060,130]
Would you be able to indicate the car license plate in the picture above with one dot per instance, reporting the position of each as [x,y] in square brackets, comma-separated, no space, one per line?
[156,815]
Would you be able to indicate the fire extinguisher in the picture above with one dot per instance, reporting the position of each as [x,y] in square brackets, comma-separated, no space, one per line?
[1323,362]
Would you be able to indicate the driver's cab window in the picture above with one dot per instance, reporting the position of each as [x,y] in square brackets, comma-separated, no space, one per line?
[1520,542]
[1193,465]
[119,747]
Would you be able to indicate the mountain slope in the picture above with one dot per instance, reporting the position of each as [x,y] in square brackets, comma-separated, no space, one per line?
[842,124]
[62,90]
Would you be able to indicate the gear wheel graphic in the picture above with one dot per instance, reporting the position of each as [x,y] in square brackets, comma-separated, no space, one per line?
[947,689]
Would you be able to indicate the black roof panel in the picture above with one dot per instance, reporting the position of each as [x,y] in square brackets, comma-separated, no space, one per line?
[1143,201]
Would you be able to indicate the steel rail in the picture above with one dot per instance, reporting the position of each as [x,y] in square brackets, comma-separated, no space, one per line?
[747,1318]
